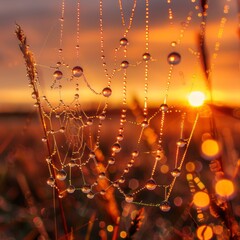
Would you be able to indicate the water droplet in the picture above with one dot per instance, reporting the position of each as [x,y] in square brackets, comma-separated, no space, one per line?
[51,181]
[102,192]
[116,184]
[123,42]
[92,155]
[173,44]
[72,163]
[107,92]
[121,180]
[129,198]
[144,124]
[60,195]
[135,153]
[36,104]
[76,96]
[34,95]
[44,139]
[77,71]
[89,122]
[181,143]
[102,116]
[90,195]
[86,188]
[146,56]
[102,175]
[129,165]
[151,184]
[116,147]
[71,189]
[124,64]
[164,107]
[111,160]
[119,137]
[174,58]
[126,170]
[61,175]
[62,130]
[176,172]
[57,75]
[165,206]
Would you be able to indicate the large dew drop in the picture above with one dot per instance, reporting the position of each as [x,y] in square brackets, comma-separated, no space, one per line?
[61,175]
[116,147]
[123,42]
[174,58]
[107,92]
[57,75]
[165,206]
[151,184]
[129,198]
[77,71]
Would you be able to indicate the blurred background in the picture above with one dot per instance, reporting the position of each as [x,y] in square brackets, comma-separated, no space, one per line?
[26,202]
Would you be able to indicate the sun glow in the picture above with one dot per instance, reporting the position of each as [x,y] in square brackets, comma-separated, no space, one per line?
[196,98]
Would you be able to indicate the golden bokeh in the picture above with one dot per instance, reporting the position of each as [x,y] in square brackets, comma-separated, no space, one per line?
[224,188]
[210,149]
[201,199]
[204,232]
[196,98]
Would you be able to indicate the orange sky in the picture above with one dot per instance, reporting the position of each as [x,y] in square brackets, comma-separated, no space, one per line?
[39,20]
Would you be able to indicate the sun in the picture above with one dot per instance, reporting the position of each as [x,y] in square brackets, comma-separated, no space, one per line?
[196,98]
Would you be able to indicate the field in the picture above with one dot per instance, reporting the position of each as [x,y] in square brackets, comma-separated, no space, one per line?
[27,206]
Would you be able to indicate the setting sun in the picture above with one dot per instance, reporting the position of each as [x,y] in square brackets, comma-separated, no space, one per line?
[196,98]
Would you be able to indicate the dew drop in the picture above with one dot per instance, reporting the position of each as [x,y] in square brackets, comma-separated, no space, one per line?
[144,124]
[123,42]
[102,116]
[77,71]
[34,95]
[124,64]
[181,143]
[135,153]
[111,160]
[92,155]
[86,188]
[57,74]
[165,206]
[107,92]
[129,198]
[151,184]
[61,175]
[102,192]
[164,107]
[116,184]
[121,180]
[89,122]
[116,147]
[60,195]
[72,163]
[119,137]
[90,195]
[51,181]
[176,172]
[102,175]
[146,56]
[71,189]
[173,44]
[174,58]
